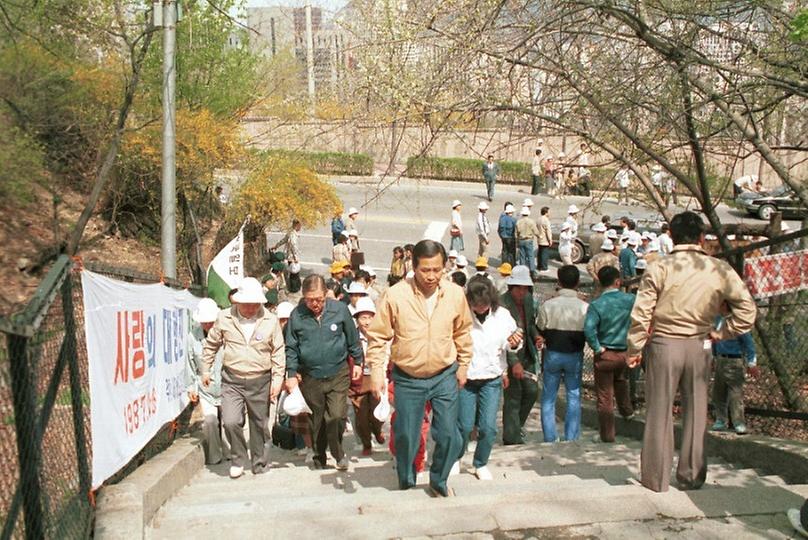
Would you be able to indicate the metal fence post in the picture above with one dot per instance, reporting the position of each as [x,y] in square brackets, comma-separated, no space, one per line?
[26,422]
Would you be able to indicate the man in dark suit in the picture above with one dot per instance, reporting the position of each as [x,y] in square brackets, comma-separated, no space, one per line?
[490,173]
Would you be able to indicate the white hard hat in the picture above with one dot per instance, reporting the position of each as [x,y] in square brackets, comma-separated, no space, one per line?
[345,233]
[462,261]
[482,206]
[641,264]
[294,268]
[634,239]
[525,211]
[355,288]
[456,203]
[206,311]
[527,202]
[284,310]
[452,253]
[653,245]
[509,209]
[369,269]
[599,227]
[520,275]
[607,245]
[572,209]
[250,291]
[352,211]
[354,233]
[611,233]
[364,305]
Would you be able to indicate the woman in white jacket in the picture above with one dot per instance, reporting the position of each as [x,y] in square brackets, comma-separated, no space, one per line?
[494,333]
[565,243]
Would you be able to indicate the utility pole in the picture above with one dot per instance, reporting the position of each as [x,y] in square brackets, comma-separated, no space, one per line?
[168,222]
[310,57]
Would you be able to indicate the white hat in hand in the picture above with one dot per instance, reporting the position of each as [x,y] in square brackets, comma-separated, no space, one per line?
[382,410]
[295,403]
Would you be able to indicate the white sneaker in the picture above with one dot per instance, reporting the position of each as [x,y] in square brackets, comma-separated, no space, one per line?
[235,472]
[455,469]
[482,473]
[309,456]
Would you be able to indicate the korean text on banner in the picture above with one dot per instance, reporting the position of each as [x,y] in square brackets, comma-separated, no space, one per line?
[136,348]
[226,270]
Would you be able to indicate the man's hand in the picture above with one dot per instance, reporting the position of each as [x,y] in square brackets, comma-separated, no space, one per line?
[634,361]
[506,382]
[518,371]
[378,390]
[715,336]
[462,376]
[274,391]
[753,371]
[206,379]
[291,384]
[193,396]
[515,339]
[356,373]
[539,342]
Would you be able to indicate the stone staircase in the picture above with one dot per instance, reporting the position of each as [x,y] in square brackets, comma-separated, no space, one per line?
[578,489]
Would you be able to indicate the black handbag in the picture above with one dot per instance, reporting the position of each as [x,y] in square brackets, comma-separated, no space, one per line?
[282,434]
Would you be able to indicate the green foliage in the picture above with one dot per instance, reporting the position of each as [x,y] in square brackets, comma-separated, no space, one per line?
[800,26]
[22,160]
[462,169]
[328,162]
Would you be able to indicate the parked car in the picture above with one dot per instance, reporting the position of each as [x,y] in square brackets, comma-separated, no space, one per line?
[780,199]
[580,247]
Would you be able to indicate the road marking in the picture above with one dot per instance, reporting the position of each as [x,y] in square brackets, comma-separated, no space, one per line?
[435,230]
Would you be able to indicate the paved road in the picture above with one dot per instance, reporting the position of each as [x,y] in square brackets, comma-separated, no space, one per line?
[404,211]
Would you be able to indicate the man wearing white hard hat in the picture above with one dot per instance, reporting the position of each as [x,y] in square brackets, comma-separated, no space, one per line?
[605,257]
[572,219]
[628,257]
[597,238]
[507,234]
[526,233]
[490,173]
[483,229]
[456,228]
[361,392]
[351,227]
[252,372]
[209,397]
[355,292]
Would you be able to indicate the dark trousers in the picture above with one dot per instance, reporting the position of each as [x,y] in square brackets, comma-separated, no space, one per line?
[536,187]
[611,382]
[252,393]
[730,374]
[410,399]
[543,257]
[490,184]
[520,396]
[508,251]
[328,400]
[683,364]
[363,403]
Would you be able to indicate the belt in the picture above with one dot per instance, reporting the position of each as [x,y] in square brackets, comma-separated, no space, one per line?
[729,355]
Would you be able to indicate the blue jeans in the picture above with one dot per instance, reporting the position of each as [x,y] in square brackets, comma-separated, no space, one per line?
[556,366]
[526,255]
[479,401]
[411,395]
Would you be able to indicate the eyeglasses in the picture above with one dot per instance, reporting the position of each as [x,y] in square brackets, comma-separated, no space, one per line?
[315,301]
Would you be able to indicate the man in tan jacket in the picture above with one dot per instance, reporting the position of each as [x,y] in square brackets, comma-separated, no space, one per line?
[427,322]
[254,357]
[544,239]
[678,300]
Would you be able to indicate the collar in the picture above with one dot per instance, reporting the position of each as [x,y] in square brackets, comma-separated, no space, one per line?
[234,314]
[610,290]
[568,292]
[417,292]
[688,247]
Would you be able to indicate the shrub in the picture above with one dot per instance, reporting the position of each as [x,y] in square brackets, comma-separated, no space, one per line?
[328,162]
[463,169]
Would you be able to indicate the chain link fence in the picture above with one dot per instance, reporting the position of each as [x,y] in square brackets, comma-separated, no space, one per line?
[45,439]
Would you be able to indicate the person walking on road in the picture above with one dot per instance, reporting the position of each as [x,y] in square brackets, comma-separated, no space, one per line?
[291,243]
[523,365]
[490,174]
[337,226]
[536,172]
[565,238]
[526,232]
[679,297]
[456,228]
[545,239]
[561,324]
[623,178]
[606,331]
[252,372]
[427,322]
[483,229]
[493,333]
[507,234]
[341,252]
[572,219]
[320,335]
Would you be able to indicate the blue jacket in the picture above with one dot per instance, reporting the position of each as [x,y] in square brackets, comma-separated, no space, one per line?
[507,226]
[742,346]
[628,263]
[608,319]
[337,226]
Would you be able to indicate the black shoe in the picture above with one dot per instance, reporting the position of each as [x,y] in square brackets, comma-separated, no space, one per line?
[317,463]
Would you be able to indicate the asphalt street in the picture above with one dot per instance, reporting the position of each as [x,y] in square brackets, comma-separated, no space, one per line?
[402,212]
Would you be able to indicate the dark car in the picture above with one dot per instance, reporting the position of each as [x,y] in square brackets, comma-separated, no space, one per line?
[781,199]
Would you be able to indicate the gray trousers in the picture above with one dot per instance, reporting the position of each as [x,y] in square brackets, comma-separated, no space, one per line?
[730,374]
[672,364]
[238,392]
[328,400]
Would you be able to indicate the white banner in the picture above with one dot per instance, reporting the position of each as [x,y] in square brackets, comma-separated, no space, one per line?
[136,348]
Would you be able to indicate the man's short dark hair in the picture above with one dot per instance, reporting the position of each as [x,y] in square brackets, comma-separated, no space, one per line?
[459,278]
[608,275]
[426,249]
[605,219]
[538,151]
[231,292]
[665,227]
[408,247]
[686,228]
[314,282]
[544,210]
[362,274]
[480,291]
[490,155]
[569,276]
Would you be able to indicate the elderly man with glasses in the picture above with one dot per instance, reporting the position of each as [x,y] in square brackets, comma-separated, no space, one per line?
[320,335]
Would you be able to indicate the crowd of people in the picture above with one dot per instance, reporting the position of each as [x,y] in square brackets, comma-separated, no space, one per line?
[443,345]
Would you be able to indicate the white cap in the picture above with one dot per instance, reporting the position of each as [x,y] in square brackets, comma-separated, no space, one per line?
[527,202]
[572,209]
[653,246]
[355,288]
[641,264]
[345,233]
[206,311]
[520,275]
[364,305]
[607,245]
[566,226]
[284,310]
[352,211]
[482,206]
[452,253]
[509,209]
[525,211]
[611,233]
[634,239]
[354,233]
[645,236]
[456,203]
[625,236]
[462,261]
[250,291]
[369,269]
[599,227]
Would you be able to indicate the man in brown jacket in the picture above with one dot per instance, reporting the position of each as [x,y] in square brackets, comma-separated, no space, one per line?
[678,300]
[428,324]
[253,357]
